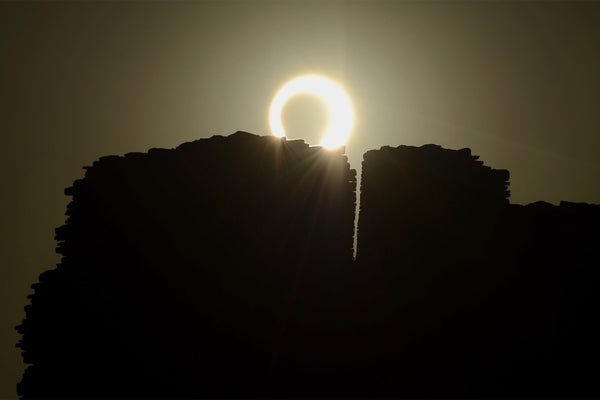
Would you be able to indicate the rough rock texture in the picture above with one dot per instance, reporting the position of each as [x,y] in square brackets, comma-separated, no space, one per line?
[223,268]
[413,198]
[468,295]
[189,271]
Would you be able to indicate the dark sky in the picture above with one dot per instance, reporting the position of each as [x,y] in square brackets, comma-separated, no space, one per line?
[517,82]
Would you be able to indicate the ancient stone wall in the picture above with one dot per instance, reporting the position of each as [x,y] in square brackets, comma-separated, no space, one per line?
[473,295]
[223,268]
[205,261]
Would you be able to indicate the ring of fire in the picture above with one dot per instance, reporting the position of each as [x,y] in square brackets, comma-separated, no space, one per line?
[340,111]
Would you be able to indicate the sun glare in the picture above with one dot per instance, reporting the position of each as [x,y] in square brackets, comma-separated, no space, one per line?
[341,114]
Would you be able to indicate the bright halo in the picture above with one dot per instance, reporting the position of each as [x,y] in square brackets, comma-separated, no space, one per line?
[341,114]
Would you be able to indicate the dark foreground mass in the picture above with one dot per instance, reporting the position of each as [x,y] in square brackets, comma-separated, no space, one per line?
[224,268]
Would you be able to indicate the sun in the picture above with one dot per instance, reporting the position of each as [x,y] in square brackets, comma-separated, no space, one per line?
[339,106]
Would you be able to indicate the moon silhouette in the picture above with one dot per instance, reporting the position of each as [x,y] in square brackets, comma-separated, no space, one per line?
[339,106]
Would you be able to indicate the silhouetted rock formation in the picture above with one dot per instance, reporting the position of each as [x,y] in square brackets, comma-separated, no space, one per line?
[418,198]
[224,268]
[468,295]
[425,227]
[192,271]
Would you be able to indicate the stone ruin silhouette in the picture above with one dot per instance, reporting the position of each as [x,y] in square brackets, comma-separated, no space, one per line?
[224,268]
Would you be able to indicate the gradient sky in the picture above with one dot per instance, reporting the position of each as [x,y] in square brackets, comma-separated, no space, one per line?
[518,83]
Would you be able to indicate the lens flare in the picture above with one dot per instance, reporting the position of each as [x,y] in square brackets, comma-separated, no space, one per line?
[340,111]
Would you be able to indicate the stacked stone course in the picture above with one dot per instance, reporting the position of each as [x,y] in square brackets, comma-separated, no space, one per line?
[223,268]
